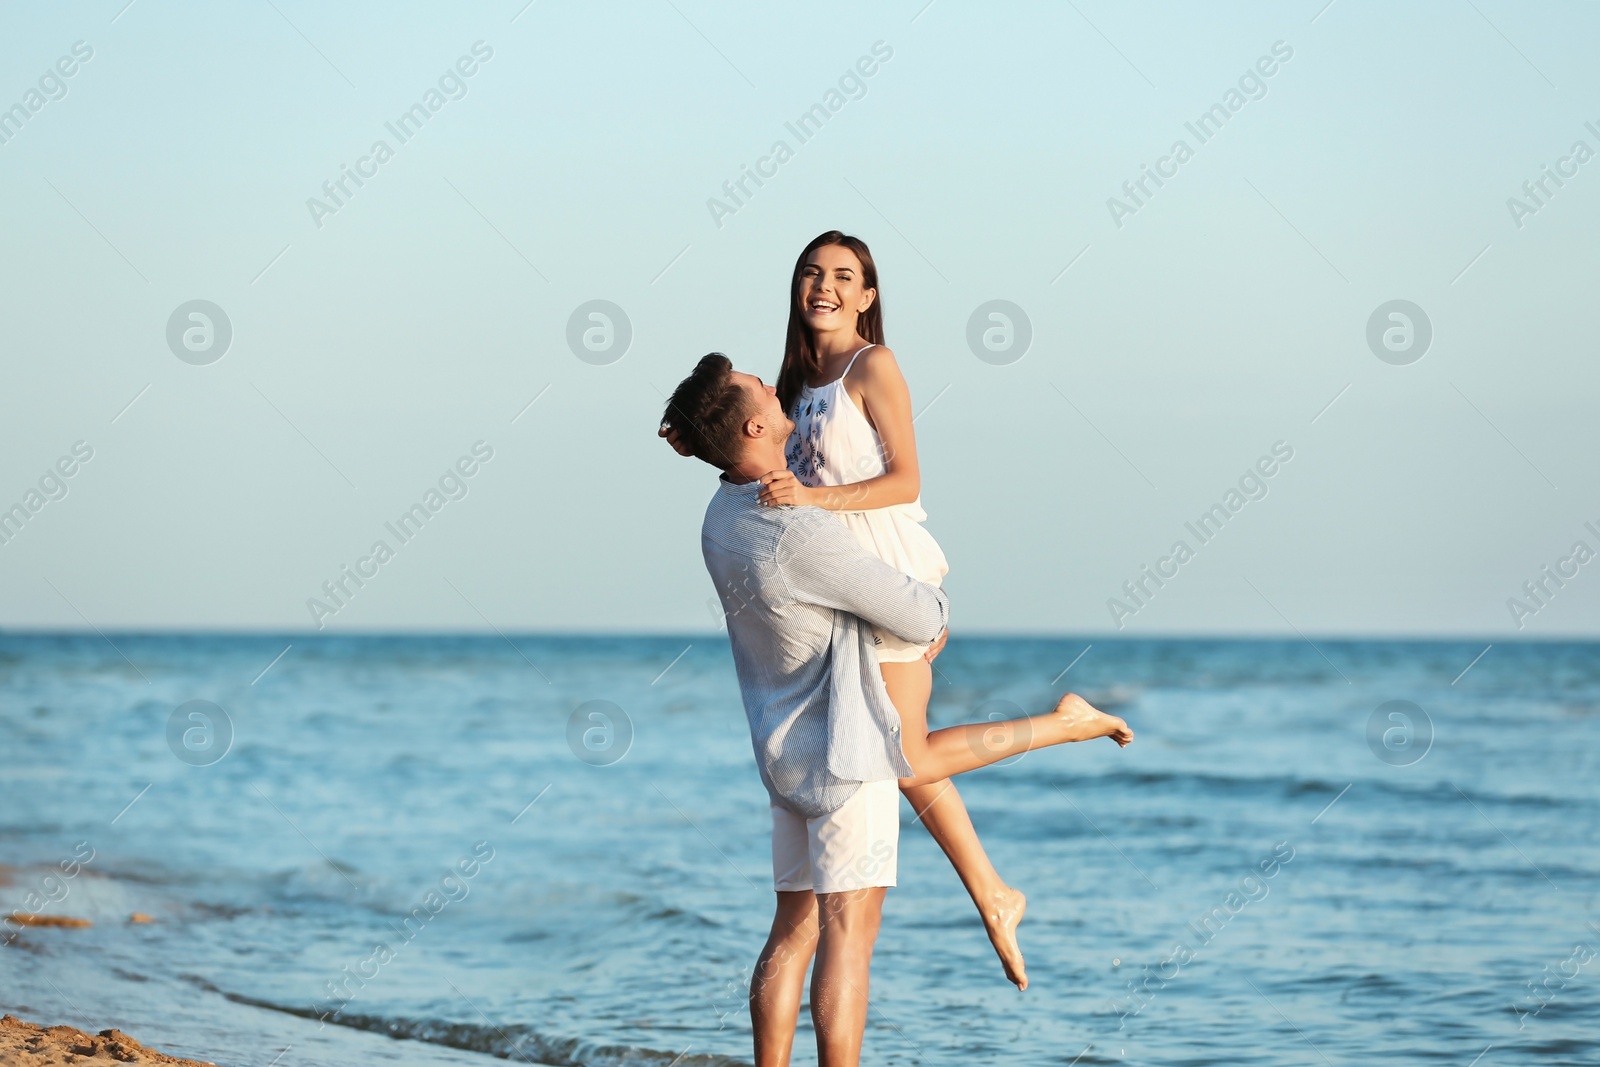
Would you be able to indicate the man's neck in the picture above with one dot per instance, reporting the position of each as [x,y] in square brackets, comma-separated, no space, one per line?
[755,463]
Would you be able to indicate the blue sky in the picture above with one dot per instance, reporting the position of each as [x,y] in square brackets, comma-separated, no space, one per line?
[1172,347]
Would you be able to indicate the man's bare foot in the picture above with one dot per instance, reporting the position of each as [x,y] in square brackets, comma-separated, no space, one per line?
[1000,918]
[1082,721]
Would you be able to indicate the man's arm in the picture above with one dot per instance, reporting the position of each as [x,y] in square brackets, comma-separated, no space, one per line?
[822,563]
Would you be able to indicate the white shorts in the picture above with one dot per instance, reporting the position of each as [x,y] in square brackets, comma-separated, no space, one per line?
[855,846]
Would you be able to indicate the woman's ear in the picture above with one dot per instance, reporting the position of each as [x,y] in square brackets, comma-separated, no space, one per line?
[867,297]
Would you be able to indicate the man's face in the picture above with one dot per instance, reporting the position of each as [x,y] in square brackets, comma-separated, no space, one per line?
[764,407]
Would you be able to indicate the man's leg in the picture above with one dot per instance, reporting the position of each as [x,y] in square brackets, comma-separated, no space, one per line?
[780,975]
[854,859]
[848,930]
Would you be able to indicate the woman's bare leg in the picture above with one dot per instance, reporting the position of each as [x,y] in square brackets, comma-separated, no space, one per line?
[958,749]
[942,811]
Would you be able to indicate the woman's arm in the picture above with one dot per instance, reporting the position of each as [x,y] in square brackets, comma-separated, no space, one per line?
[822,563]
[886,402]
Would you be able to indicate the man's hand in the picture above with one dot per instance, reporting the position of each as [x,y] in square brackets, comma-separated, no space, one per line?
[672,439]
[938,646]
[782,487]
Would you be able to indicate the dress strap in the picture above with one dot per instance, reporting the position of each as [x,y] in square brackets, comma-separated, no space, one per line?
[852,362]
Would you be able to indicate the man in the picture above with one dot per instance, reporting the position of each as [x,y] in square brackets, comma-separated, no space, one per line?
[800,596]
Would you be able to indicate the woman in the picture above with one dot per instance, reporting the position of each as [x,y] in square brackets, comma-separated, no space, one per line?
[853,452]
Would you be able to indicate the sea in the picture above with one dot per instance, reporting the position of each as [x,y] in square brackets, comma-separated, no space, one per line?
[554,850]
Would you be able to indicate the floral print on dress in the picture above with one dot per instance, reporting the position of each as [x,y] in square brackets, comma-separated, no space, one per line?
[805,457]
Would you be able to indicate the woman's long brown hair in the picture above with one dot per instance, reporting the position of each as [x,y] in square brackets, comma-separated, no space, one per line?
[800,361]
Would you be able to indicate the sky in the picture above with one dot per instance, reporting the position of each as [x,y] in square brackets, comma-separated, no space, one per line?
[1348,274]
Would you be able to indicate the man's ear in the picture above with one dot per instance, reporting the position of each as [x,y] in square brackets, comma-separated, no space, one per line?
[755,427]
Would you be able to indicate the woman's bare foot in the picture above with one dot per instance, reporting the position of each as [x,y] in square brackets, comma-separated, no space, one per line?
[1000,918]
[1082,721]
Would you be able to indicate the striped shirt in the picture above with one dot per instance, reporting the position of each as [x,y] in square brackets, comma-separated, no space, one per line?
[800,597]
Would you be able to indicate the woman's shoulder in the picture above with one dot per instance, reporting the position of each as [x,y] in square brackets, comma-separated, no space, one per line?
[876,363]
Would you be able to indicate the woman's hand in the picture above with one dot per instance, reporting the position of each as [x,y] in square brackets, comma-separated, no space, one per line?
[672,439]
[780,488]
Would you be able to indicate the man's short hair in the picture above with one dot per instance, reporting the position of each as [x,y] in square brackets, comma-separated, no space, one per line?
[708,410]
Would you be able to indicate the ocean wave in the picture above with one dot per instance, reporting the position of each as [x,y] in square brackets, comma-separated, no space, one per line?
[1292,786]
[512,1041]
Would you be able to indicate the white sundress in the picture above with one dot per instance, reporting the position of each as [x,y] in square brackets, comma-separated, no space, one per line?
[834,444]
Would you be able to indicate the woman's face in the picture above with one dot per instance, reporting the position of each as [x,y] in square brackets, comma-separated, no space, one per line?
[831,294]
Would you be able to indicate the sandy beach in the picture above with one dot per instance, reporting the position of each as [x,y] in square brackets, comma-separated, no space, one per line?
[29,1043]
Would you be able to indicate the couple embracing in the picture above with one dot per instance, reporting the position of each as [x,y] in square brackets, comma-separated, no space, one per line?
[830,588]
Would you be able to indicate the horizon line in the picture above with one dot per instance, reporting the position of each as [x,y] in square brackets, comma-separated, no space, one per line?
[1417,637]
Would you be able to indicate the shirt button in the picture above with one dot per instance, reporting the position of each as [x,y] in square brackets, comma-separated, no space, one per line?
[894,729]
